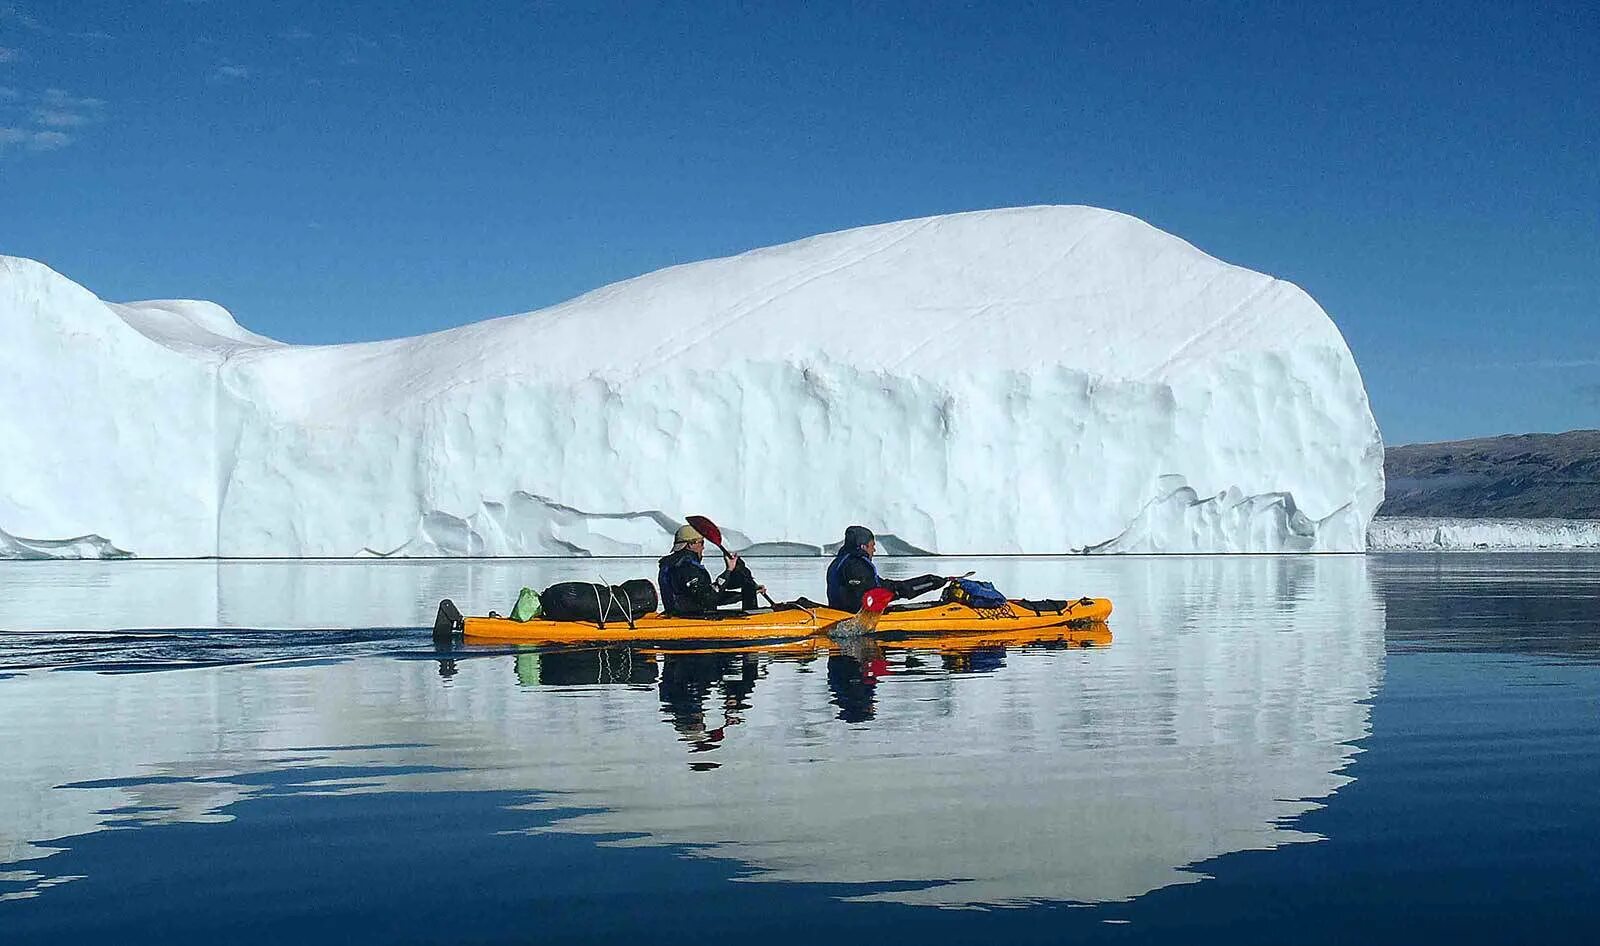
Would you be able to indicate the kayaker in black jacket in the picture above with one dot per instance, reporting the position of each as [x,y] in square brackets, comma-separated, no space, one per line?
[687,588]
[852,573]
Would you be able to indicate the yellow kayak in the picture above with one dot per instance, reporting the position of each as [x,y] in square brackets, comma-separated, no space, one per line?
[1016,616]
[768,625]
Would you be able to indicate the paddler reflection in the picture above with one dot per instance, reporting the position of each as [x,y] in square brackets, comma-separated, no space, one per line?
[705,692]
[856,661]
[689,680]
[854,669]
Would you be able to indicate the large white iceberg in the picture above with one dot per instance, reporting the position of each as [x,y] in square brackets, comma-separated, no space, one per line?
[1044,379]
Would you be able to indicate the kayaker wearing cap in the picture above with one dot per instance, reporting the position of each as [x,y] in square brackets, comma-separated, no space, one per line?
[686,586]
[852,573]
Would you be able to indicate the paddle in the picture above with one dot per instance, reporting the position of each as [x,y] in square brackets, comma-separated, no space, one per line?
[865,621]
[709,529]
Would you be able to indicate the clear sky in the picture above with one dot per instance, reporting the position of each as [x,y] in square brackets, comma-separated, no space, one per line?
[1429,172]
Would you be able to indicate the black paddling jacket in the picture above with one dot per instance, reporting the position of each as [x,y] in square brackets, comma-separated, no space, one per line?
[686,586]
[852,574]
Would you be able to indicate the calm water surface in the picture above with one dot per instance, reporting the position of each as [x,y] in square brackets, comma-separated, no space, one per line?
[1265,749]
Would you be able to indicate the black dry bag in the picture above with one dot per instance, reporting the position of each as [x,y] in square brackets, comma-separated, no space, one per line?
[583,601]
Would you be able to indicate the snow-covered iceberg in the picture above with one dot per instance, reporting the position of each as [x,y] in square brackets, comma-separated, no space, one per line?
[1043,379]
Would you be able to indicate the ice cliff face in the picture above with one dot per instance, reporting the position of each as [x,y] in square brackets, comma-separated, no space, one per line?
[1043,379]
[1455,534]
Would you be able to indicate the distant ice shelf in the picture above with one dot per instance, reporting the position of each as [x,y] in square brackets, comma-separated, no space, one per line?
[1032,380]
[1449,534]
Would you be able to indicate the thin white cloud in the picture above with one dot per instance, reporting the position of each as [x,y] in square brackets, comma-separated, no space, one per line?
[62,99]
[49,140]
[16,16]
[58,119]
[58,108]
[230,70]
[49,116]
[1559,363]
[7,54]
[18,19]
[32,139]
[1537,364]
[358,49]
[297,34]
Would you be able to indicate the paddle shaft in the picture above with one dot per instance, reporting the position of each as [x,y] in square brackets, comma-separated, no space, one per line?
[728,554]
[713,532]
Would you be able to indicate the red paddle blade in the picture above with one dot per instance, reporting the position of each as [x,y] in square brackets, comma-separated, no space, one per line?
[706,528]
[875,600]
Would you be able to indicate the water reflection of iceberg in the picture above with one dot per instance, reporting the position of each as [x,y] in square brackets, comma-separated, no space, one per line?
[1228,705]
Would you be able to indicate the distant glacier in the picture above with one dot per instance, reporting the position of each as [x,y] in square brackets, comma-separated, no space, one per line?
[1454,534]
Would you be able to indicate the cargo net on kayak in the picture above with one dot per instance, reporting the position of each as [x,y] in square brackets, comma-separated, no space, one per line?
[980,596]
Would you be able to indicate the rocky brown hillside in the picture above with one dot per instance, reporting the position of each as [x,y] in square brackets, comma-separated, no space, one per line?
[1522,475]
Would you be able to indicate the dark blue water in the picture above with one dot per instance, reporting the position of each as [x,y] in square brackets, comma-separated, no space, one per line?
[1308,750]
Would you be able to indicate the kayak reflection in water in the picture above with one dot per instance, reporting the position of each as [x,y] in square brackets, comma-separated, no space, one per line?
[687,680]
[588,666]
[852,573]
[687,588]
[974,660]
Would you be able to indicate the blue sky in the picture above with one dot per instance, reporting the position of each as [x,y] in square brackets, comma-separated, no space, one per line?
[1429,172]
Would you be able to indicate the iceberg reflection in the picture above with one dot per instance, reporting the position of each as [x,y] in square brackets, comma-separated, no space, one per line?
[1229,704]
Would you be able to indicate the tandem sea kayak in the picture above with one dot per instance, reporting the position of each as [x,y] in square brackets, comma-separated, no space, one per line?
[795,621]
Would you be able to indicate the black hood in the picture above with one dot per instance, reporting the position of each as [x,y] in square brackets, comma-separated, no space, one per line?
[857,537]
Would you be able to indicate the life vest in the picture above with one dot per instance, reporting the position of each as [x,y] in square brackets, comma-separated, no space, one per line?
[670,588]
[841,597]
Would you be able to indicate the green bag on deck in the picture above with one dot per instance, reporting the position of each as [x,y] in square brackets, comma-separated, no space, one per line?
[528,606]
